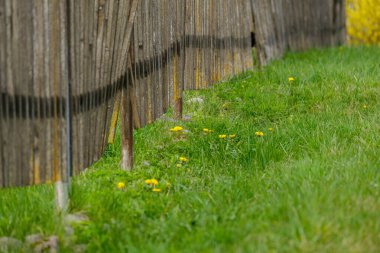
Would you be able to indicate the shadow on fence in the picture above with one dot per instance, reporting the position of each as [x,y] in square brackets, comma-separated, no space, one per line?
[68,69]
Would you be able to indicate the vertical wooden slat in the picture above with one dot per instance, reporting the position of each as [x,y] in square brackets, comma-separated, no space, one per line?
[126,129]
[3,100]
[178,59]
[10,90]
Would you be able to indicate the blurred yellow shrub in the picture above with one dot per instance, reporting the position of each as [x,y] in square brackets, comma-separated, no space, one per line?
[363,21]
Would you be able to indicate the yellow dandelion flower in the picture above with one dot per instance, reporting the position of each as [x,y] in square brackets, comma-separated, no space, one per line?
[148,181]
[270,129]
[207,131]
[259,134]
[120,185]
[222,136]
[232,136]
[291,79]
[156,190]
[176,129]
[154,181]
[183,159]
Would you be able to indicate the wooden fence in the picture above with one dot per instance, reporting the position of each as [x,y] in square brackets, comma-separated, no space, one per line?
[69,68]
[74,59]
[282,25]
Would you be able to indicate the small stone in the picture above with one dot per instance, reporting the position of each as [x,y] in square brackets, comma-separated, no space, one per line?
[186,117]
[69,231]
[146,163]
[79,248]
[50,245]
[168,119]
[77,218]
[34,239]
[9,244]
[197,100]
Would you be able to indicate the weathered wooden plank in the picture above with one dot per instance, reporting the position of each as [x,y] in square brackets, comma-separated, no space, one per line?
[126,130]
[127,108]
[247,22]
[3,120]
[180,58]
[188,82]
[10,154]
[25,124]
[137,59]
[77,85]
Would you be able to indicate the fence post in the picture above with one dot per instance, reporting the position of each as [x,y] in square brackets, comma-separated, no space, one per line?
[62,185]
[61,191]
[126,128]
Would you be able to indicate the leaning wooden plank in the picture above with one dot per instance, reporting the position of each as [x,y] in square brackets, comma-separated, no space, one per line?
[117,58]
[126,117]
[111,81]
[107,46]
[113,125]
[102,21]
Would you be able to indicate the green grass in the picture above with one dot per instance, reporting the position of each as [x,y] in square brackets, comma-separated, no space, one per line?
[310,185]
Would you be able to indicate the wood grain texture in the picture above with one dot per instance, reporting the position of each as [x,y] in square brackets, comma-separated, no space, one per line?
[149,51]
[296,25]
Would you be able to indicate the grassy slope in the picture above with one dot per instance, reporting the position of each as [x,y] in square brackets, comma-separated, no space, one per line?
[310,185]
